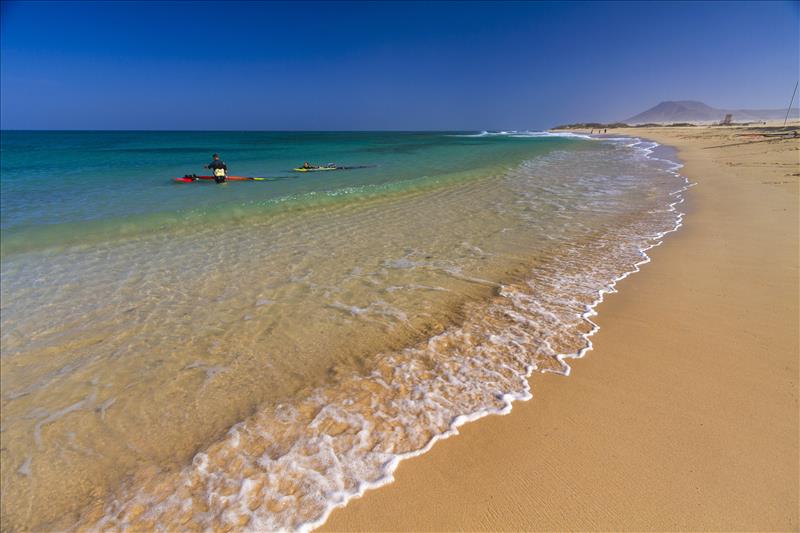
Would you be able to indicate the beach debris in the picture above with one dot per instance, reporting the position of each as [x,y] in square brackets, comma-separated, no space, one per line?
[25,468]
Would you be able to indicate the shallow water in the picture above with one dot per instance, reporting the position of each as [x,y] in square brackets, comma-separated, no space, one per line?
[252,356]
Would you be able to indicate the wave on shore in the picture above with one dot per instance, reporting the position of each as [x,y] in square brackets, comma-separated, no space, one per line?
[290,465]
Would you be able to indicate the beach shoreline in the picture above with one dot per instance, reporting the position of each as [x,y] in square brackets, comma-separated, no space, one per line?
[683,416]
[581,211]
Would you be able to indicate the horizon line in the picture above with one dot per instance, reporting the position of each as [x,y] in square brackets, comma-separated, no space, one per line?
[262,131]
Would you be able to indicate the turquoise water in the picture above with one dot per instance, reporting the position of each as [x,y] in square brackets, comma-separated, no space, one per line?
[62,187]
[251,355]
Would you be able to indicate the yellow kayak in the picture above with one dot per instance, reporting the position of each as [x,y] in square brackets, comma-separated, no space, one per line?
[318,169]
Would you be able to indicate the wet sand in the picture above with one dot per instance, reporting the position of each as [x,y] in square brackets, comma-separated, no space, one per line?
[683,417]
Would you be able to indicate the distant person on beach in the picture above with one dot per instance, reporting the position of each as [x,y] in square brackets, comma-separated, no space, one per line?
[219,168]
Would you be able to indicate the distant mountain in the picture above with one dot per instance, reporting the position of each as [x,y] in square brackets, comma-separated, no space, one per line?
[692,111]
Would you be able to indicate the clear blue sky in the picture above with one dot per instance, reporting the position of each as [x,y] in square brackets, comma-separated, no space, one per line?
[250,65]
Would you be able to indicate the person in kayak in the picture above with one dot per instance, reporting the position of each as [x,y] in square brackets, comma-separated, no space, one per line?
[218,168]
[307,166]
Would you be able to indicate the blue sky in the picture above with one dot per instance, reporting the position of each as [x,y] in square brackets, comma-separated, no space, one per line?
[414,65]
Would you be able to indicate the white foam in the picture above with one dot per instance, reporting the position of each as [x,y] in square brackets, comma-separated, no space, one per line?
[525,394]
[525,134]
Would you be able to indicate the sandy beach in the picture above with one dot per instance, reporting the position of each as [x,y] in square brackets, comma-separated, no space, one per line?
[366,273]
[685,414]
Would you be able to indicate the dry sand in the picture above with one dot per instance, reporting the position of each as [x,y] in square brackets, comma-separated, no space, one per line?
[684,417]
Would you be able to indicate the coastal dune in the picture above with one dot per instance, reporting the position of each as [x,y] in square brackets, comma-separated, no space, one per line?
[685,414]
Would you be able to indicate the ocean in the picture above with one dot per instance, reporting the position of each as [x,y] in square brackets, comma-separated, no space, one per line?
[253,355]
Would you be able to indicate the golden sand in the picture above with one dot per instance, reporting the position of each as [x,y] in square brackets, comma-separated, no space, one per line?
[685,415]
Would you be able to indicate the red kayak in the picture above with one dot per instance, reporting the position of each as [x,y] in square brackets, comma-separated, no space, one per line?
[190,179]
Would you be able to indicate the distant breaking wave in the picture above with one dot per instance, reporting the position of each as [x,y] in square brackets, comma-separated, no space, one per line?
[524,134]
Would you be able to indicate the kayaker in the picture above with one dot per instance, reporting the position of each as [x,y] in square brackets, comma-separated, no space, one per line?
[307,166]
[219,169]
